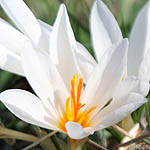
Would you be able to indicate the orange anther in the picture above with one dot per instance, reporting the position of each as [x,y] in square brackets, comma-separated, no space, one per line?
[74,105]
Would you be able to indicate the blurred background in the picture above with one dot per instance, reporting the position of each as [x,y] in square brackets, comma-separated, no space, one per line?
[124,11]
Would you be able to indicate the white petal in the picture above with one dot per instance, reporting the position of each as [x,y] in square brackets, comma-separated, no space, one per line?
[114,113]
[143,88]
[22,17]
[11,38]
[106,76]
[139,40]
[35,71]
[127,86]
[27,107]
[105,30]
[85,61]
[10,61]
[61,43]
[144,68]
[45,36]
[45,26]
[42,74]
[75,130]
[132,84]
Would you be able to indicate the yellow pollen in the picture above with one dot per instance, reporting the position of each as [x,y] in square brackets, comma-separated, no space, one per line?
[73,106]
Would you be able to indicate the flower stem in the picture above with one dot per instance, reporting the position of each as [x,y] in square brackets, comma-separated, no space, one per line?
[76,144]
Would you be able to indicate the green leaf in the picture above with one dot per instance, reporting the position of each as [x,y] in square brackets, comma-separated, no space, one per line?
[147,107]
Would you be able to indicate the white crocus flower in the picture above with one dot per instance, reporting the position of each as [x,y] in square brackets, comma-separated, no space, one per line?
[105,32]
[82,110]
[35,31]
[62,102]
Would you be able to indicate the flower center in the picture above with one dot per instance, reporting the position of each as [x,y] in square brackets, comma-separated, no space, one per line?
[74,111]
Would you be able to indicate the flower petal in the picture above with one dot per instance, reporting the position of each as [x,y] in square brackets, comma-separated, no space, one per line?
[42,74]
[80,51]
[139,43]
[12,39]
[22,17]
[75,130]
[114,113]
[132,84]
[106,76]
[144,69]
[27,107]
[143,88]
[36,65]
[61,43]
[85,61]
[45,25]
[105,30]
[125,95]
[10,61]
[45,37]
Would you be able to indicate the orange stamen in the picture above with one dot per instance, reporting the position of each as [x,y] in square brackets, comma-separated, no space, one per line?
[74,106]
